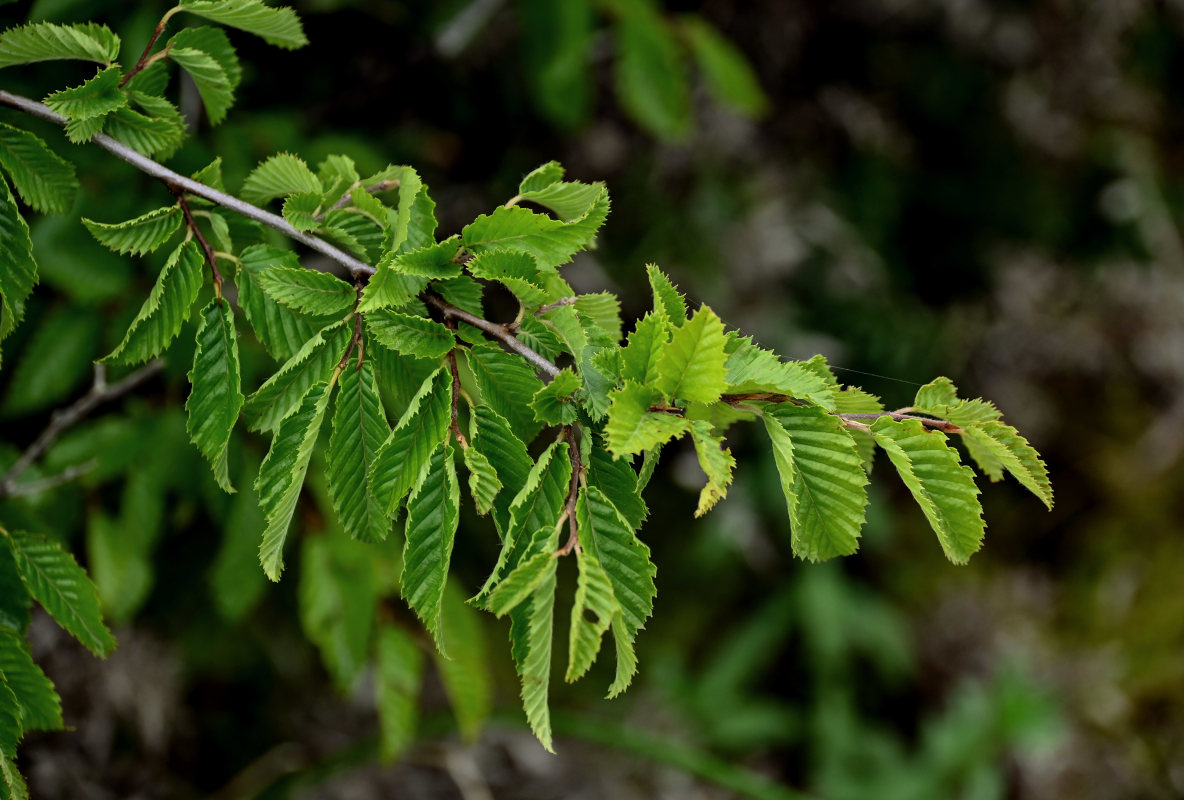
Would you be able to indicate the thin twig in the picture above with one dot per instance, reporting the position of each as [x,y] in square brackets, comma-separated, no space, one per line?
[499,332]
[211,257]
[100,392]
[573,450]
[347,198]
[935,424]
[460,437]
[562,301]
[68,475]
[144,59]
[853,420]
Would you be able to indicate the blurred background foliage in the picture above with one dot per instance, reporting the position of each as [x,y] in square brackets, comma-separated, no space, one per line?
[984,190]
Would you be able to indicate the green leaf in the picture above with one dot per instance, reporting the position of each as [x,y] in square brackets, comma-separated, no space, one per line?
[312,363]
[651,77]
[433,261]
[632,427]
[390,288]
[415,222]
[516,270]
[282,174]
[939,398]
[307,291]
[483,481]
[406,453]
[56,581]
[10,726]
[557,41]
[410,335]
[281,475]
[13,782]
[45,41]
[996,446]
[214,404]
[399,377]
[43,179]
[359,430]
[553,404]
[14,598]
[531,634]
[216,44]
[153,136]
[79,131]
[591,614]
[276,26]
[165,310]
[465,674]
[716,461]
[549,240]
[541,177]
[338,591]
[236,583]
[691,366]
[280,330]
[602,312]
[618,482]
[524,579]
[138,236]
[210,78]
[302,210]
[464,292]
[41,709]
[433,513]
[506,382]
[18,270]
[939,482]
[938,393]
[668,302]
[822,477]
[119,564]
[639,358]
[96,97]
[752,369]
[492,437]
[568,199]
[727,72]
[398,676]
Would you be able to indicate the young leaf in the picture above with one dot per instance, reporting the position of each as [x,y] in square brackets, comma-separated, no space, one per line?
[278,176]
[632,427]
[410,335]
[939,482]
[79,131]
[505,382]
[280,330]
[549,240]
[601,311]
[138,236]
[11,730]
[639,358]
[276,26]
[214,404]
[553,404]
[390,288]
[56,581]
[45,41]
[43,179]
[728,74]
[754,369]
[541,177]
[591,614]
[398,676]
[569,200]
[433,261]
[822,477]
[165,310]
[41,709]
[691,367]
[210,78]
[406,453]
[492,437]
[153,136]
[18,270]
[307,291]
[312,363]
[433,512]
[359,430]
[514,269]
[302,210]
[281,475]
[668,303]
[97,97]
[996,446]
[651,78]
[716,461]
[483,481]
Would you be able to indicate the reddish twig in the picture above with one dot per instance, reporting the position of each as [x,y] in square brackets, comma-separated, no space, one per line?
[573,537]
[211,259]
[143,61]
[497,331]
[460,437]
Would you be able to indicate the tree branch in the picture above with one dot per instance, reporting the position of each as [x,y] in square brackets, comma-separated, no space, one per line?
[100,392]
[855,419]
[499,332]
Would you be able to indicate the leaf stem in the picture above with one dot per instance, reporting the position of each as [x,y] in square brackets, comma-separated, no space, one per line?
[211,258]
[573,538]
[460,437]
[144,61]
[497,331]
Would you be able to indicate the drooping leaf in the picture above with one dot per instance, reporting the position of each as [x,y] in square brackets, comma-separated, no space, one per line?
[568,199]
[514,269]
[601,311]
[307,291]
[632,427]
[210,78]
[465,674]
[727,73]
[524,579]
[617,481]
[531,634]
[41,709]
[214,404]
[277,26]
[138,236]
[11,731]
[996,446]
[281,330]
[651,77]
[668,302]
[281,475]
[280,175]
[505,381]
[557,43]
[553,404]
[435,261]
[18,270]
[492,437]
[591,614]
[166,309]
[410,335]
[236,582]
[312,363]
[822,477]
[483,481]
[216,44]
[433,512]
[398,676]
[45,41]
[716,461]
[939,482]
[55,580]
[338,590]
[359,430]
[407,452]
[691,366]
[390,288]
[551,241]
[42,178]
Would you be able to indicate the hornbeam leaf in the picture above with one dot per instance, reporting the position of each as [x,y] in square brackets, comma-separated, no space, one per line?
[568,199]
[531,634]
[165,310]
[138,236]
[11,729]
[406,453]
[95,98]
[996,446]
[414,224]
[307,291]
[516,270]
[41,709]
[434,261]
[45,41]
[728,75]
[492,437]
[276,26]
[13,781]
[216,44]
[278,176]
[601,311]
[626,657]
[822,477]
[716,461]
[541,177]
[410,335]
[668,302]
[153,136]
[399,377]
[312,363]
[281,475]
[43,179]
[754,369]
[483,481]
[938,393]
[618,482]
[521,583]
[553,404]
[390,288]
[651,77]
[691,367]
[214,404]
[465,675]
[639,358]
[632,427]
[549,240]
[591,614]
[18,270]
[210,78]
[83,130]
[939,482]
[398,678]
[280,330]
[338,591]
[940,399]
[505,381]
[359,430]
[302,210]
[56,581]
[433,512]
